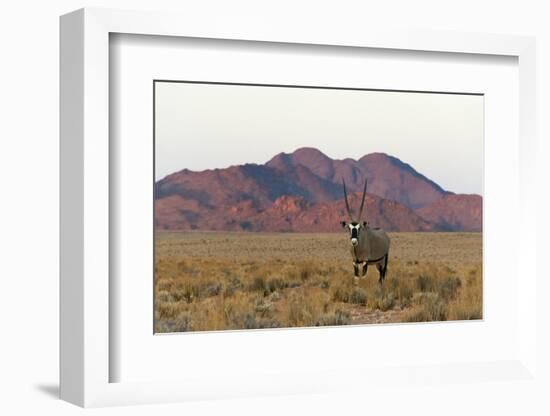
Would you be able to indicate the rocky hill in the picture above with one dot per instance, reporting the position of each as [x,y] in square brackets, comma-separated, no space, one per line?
[302,191]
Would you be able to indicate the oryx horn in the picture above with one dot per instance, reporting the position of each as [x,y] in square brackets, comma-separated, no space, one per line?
[346,199]
[362,201]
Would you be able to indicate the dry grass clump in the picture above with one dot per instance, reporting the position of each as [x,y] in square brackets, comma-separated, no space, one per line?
[350,294]
[303,311]
[384,299]
[429,307]
[239,315]
[442,297]
[307,280]
[335,318]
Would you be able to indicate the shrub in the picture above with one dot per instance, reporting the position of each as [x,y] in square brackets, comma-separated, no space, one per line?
[354,295]
[339,317]
[182,323]
[383,300]
[165,297]
[188,292]
[340,293]
[298,315]
[164,285]
[258,284]
[167,310]
[245,320]
[464,313]
[425,283]
[211,289]
[249,320]
[263,307]
[386,302]
[293,283]
[430,308]
[274,284]
[267,323]
[233,285]
[275,296]
[303,311]
[448,288]
[358,296]
[405,295]
[305,272]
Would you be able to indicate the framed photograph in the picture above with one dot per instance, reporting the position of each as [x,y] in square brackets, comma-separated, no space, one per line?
[260,212]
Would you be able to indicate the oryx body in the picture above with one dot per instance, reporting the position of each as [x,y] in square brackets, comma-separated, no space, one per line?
[369,246]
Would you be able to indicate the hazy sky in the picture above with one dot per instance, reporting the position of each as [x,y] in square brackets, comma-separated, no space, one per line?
[203,126]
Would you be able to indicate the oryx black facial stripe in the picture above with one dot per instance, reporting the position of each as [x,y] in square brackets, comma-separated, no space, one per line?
[354,228]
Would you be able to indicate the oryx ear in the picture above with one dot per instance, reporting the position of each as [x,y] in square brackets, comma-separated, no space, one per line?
[364,223]
[343,223]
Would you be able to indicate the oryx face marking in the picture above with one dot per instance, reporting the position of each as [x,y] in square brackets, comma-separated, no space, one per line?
[354,231]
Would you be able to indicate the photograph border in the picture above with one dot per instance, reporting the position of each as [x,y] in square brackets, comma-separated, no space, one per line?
[84,178]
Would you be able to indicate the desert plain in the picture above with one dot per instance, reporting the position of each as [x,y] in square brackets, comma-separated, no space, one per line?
[212,281]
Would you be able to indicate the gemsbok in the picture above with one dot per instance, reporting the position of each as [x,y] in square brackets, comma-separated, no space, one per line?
[368,245]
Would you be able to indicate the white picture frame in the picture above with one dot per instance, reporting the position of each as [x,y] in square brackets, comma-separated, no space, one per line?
[85,355]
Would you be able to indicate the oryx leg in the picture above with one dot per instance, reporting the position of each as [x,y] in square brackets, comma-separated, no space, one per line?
[356,269]
[382,268]
[365,268]
[355,273]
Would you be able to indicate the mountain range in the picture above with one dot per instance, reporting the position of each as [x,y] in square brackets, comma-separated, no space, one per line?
[302,192]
